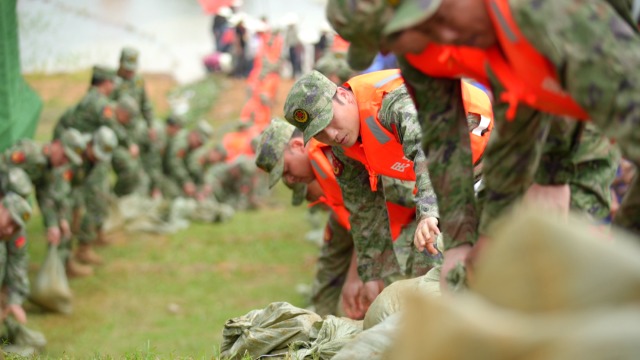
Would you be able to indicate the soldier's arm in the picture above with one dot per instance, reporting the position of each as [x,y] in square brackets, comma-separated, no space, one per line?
[597,66]
[17,279]
[177,164]
[399,112]
[145,105]
[446,144]
[369,219]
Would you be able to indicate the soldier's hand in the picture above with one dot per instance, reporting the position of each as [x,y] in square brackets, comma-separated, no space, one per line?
[17,312]
[207,189]
[134,150]
[555,198]
[451,259]
[53,235]
[426,234]
[351,299]
[156,193]
[189,188]
[369,292]
[65,229]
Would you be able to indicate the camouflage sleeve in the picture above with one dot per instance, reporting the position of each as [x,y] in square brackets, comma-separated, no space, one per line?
[598,65]
[446,143]
[369,219]
[194,166]
[177,166]
[399,112]
[48,208]
[145,105]
[16,278]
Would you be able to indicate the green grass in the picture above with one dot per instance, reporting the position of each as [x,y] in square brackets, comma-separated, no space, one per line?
[208,272]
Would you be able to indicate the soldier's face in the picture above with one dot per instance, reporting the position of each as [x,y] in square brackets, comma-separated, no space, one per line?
[123,116]
[297,167]
[7,225]
[344,128]
[456,22]
[57,155]
[314,191]
[127,74]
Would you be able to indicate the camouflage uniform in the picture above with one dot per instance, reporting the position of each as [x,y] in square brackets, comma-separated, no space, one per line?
[512,157]
[14,263]
[337,247]
[151,154]
[233,183]
[91,182]
[131,174]
[334,63]
[92,111]
[369,219]
[134,86]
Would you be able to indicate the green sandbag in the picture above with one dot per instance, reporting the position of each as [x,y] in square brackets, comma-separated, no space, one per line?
[267,331]
[328,337]
[391,299]
[51,288]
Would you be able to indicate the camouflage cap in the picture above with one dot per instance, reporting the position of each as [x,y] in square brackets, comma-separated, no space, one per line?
[360,23]
[365,23]
[101,73]
[74,143]
[104,142]
[309,105]
[299,192]
[129,59]
[204,129]
[270,154]
[18,208]
[175,120]
[17,180]
[130,105]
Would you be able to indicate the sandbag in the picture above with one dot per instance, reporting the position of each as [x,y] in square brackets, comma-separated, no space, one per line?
[267,331]
[371,344]
[391,299]
[51,288]
[538,263]
[327,338]
[466,326]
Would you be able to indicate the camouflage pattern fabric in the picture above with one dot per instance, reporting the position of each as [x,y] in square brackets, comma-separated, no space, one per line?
[331,269]
[175,159]
[95,197]
[14,261]
[134,87]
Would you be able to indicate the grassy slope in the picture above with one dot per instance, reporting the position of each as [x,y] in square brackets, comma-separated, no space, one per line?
[170,295]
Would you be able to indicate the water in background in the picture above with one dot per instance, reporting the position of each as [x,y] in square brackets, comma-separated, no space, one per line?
[172,35]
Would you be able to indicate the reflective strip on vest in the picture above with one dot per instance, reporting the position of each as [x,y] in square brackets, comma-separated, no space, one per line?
[318,169]
[387,80]
[377,132]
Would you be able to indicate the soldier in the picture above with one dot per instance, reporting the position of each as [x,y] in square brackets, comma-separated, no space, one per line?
[47,167]
[132,84]
[14,213]
[279,160]
[151,153]
[175,161]
[165,183]
[126,157]
[91,182]
[372,127]
[94,109]
[524,79]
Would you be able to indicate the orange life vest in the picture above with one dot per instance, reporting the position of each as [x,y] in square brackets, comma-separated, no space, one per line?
[380,149]
[399,216]
[237,143]
[527,76]
[327,180]
[339,44]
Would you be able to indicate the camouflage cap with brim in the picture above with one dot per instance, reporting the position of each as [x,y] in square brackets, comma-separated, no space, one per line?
[309,105]
[271,146]
[74,143]
[299,192]
[360,23]
[17,181]
[130,105]
[410,13]
[204,129]
[104,142]
[18,208]
[129,59]
[101,73]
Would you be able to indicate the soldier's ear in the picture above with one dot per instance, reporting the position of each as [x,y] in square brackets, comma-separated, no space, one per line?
[296,144]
